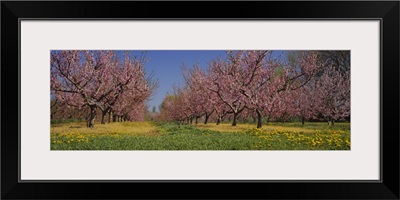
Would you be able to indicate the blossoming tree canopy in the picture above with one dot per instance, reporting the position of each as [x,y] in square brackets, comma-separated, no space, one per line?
[99,80]
[259,83]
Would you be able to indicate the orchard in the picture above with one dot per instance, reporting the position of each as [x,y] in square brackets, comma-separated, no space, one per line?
[255,84]
[238,100]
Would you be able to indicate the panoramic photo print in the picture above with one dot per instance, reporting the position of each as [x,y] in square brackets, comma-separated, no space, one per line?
[200,100]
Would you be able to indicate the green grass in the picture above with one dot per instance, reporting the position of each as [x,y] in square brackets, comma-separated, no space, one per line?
[171,136]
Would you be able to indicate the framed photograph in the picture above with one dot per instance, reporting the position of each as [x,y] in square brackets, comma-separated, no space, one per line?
[274,100]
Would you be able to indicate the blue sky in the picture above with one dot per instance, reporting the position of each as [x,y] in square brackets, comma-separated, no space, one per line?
[166,65]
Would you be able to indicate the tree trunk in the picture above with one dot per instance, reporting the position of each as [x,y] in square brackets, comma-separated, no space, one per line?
[218,120]
[92,116]
[109,117]
[206,120]
[267,120]
[103,116]
[196,119]
[254,119]
[234,119]
[332,121]
[302,121]
[114,118]
[259,119]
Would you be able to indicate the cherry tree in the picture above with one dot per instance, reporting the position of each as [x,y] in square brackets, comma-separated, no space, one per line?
[177,106]
[128,75]
[222,81]
[221,112]
[203,100]
[285,106]
[96,79]
[253,78]
[131,104]
[306,102]
[136,114]
[270,108]
[165,108]
[259,82]
[81,78]
[333,88]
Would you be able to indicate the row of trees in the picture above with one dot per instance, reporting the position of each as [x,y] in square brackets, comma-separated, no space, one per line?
[261,84]
[85,82]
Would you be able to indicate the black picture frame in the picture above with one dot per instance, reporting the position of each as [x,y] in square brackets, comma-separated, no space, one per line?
[386,11]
